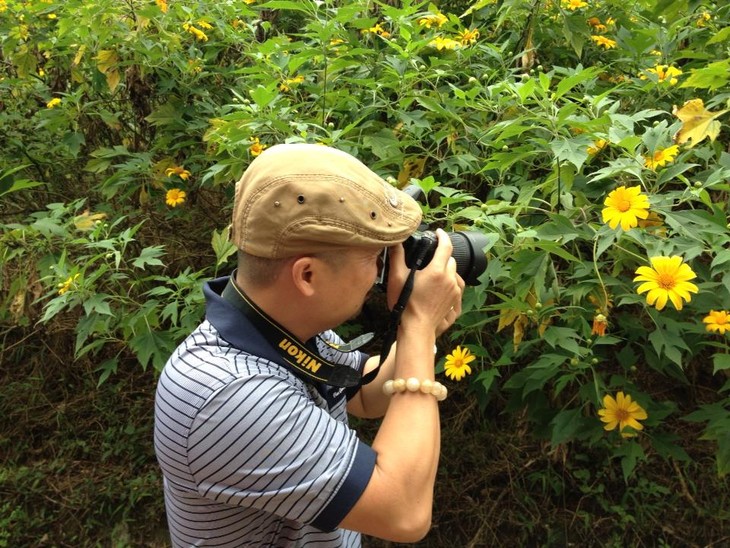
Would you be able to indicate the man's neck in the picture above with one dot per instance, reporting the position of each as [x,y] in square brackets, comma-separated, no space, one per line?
[282,306]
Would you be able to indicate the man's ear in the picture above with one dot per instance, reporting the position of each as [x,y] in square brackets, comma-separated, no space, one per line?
[303,273]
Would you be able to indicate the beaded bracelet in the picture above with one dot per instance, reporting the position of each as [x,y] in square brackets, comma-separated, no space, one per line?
[412,384]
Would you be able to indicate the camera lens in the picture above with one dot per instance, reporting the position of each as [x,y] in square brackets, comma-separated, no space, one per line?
[468,252]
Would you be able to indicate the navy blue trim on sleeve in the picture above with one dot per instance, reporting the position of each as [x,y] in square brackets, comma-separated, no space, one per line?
[351,490]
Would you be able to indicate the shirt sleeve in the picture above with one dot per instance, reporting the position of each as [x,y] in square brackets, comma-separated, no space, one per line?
[261,442]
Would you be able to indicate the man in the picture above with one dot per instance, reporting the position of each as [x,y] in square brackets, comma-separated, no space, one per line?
[251,410]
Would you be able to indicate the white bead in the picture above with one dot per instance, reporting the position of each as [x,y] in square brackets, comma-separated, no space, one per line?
[413,384]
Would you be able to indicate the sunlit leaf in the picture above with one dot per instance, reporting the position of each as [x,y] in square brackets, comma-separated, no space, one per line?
[698,123]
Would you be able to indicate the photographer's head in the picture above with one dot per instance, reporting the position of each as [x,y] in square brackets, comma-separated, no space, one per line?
[302,198]
[310,223]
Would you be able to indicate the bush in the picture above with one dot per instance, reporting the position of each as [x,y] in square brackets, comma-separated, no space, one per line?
[586,139]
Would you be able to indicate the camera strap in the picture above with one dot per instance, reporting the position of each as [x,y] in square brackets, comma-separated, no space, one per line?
[395,315]
[297,356]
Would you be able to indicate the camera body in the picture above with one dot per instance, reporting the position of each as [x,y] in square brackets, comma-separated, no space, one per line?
[468,247]
[467,251]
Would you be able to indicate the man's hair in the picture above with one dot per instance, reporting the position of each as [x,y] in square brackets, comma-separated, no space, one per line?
[262,272]
[259,271]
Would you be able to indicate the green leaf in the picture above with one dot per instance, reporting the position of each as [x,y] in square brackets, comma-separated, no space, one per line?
[476,6]
[566,424]
[586,75]
[712,77]
[263,95]
[152,346]
[149,256]
[8,184]
[98,303]
[556,248]
[631,452]
[222,245]
[564,338]
[571,150]
[107,367]
[721,36]
[487,378]
[722,257]
[287,5]
[668,346]
[666,445]
[721,362]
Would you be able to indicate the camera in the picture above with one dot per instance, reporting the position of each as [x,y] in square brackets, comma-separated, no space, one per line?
[467,251]
[468,248]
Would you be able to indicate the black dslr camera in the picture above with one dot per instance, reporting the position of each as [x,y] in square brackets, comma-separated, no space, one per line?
[468,248]
[467,251]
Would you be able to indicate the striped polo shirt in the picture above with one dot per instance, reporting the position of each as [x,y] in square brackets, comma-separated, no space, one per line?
[251,454]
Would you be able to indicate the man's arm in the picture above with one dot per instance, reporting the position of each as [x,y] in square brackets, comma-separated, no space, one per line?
[369,402]
[397,502]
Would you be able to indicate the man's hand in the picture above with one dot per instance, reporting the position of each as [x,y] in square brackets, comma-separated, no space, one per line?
[437,287]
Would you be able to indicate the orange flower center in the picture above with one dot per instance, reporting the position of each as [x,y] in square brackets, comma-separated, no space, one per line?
[666,281]
[623,205]
[622,415]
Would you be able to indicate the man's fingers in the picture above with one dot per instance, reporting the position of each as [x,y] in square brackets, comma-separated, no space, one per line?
[444,248]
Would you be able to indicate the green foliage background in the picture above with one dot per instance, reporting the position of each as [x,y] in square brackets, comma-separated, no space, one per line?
[106,105]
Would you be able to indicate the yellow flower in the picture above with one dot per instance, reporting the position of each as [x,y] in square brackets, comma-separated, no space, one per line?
[175,197]
[467,37]
[181,172]
[52,16]
[162,4]
[256,148]
[249,2]
[622,412]
[666,279]
[718,320]
[664,73]
[703,19]
[661,157]
[199,34]
[432,19]
[195,66]
[286,84]
[444,43]
[22,32]
[604,42]
[457,363]
[67,285]
[377,29]
[625,206]
[336,41]
[597,146]
[595,22]
[53,102]
[573,5]
[205,25]
[600,323]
